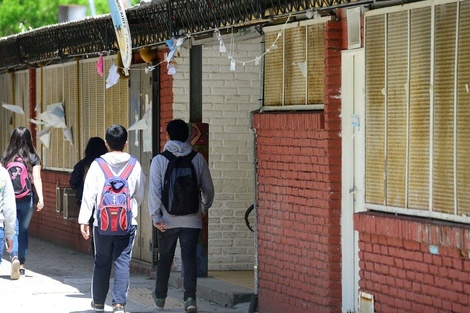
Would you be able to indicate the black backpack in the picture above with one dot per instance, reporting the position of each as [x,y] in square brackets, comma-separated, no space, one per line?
[180,192]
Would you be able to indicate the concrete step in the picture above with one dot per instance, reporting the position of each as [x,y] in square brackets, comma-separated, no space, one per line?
[219,291]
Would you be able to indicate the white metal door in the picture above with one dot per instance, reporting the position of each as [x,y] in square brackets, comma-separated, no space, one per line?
[353,158]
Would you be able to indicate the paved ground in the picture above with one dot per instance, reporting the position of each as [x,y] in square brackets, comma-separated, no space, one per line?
[58,280]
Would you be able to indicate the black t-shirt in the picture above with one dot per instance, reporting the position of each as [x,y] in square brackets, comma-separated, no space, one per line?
[35,159]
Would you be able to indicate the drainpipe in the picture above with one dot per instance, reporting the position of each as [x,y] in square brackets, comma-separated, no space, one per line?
[254,300]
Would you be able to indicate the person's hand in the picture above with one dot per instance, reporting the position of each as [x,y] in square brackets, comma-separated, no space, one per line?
[85,230]
[160,226]
[9,244]
[40,205]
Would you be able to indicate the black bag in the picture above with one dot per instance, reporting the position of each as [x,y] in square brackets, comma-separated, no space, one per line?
[181,192]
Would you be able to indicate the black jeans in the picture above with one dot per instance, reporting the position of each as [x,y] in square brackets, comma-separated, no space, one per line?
[167,240]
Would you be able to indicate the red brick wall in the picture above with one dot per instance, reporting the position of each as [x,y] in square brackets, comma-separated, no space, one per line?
[51,226]
[32,102]
[297,240]
[399,270]
[166,97]
[299,200]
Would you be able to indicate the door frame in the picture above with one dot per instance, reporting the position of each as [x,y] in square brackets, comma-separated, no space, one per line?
[353,175]
[140,145]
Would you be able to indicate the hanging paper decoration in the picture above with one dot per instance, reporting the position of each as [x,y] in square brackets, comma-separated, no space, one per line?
[68,134]
[13,107]
[45,136]
[113,76]
[54,115]
[100,65]
[174,44]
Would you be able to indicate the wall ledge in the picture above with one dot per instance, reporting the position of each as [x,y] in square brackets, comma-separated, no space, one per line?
[417,229]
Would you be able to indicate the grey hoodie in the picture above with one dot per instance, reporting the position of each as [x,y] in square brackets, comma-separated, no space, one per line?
[158,167]
[95,180]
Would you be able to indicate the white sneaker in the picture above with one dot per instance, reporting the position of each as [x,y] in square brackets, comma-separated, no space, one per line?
[15,268]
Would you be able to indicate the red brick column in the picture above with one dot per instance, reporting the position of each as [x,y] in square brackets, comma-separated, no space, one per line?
[166,97]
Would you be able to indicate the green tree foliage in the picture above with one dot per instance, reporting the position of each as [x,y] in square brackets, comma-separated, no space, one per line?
[17,16]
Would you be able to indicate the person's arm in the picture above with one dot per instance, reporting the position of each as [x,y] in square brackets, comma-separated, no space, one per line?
[8,208]
[207,186]
[37,181]
[90,193]
[139,188]
[155,190]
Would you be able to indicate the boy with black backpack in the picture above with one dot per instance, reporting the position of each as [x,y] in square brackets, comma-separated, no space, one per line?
[180,191]
[115,186]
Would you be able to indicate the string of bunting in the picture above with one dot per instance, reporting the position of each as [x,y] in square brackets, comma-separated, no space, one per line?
[174,44]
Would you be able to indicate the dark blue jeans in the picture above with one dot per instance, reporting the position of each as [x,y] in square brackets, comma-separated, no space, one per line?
[111,250]
[24,213]
[166,247]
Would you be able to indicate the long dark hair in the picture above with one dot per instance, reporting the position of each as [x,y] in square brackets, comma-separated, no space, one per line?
[94,148]
[21,145]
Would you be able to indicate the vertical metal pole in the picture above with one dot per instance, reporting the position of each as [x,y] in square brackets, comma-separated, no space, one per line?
[195,84]
[200,141]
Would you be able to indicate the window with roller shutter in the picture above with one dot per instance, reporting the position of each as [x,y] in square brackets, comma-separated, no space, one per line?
[294,65]
[417,112]
[89,108]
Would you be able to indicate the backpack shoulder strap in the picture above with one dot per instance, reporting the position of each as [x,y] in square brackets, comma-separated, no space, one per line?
[170,156]
[129,167]
[167,154]
[191,155]
[125,173]
[104,167]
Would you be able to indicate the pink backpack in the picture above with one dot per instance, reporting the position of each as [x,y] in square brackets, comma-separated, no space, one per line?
[19,177]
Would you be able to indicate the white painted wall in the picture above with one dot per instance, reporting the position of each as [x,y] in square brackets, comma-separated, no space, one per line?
[228,99]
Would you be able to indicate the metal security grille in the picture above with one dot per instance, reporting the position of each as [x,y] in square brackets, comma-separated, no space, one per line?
[150,25]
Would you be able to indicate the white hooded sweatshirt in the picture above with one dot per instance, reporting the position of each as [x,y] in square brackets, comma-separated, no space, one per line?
[95,180]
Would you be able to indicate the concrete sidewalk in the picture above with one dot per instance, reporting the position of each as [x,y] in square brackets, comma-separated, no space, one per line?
[58,280]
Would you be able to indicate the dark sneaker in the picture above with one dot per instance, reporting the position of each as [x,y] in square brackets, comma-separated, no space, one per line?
[159,302]
[190,305]
[118,308]
[97,307]
[15,268]
[22,272]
